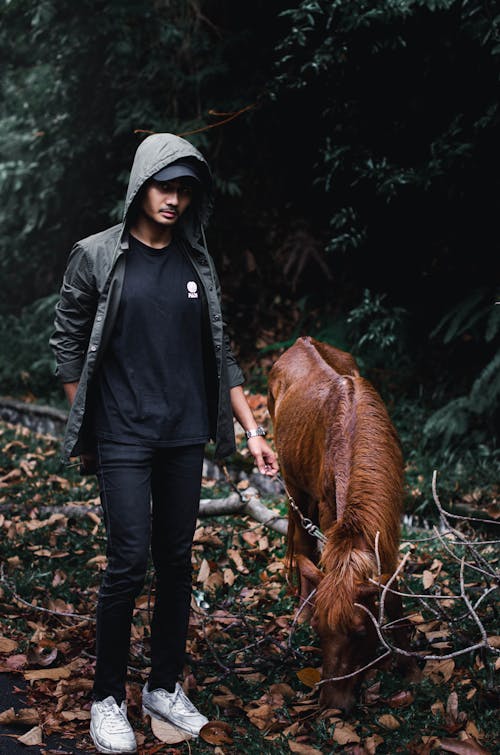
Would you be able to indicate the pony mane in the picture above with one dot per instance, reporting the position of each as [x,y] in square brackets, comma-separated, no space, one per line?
[345,568]
[367,464]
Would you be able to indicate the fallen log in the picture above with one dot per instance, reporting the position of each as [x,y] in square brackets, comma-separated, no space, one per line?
[234,504]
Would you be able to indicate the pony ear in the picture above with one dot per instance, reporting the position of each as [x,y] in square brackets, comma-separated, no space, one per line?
[309,570]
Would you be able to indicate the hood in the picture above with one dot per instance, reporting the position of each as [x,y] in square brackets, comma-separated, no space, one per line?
[156,152]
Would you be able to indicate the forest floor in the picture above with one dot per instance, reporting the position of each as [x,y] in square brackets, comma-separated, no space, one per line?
[250,666]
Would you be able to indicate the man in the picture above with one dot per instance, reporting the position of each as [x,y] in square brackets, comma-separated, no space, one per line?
[148,370]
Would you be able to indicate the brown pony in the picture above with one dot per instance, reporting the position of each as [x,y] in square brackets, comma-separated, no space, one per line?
[341,461]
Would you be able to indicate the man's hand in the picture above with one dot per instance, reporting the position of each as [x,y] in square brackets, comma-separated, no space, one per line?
[88,464]
[264,456]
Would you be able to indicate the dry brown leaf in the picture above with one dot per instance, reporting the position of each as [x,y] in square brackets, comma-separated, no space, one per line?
[452,706]
[281,688]
[439,671]
[62,672]
[21,717]
[204,571]
[262,717]
[16,662]
[235,555]
[388,721]
[401,699]
[32,737]
[473,731]
[345,734]
[302,749]
[437,708]
[494,641]
[217,733]
[372,694]
[75,715]
[14,474]
[229,576]
[309,676]
[463,747]
[371,743]
[167,733]
[6,645]
[427,579]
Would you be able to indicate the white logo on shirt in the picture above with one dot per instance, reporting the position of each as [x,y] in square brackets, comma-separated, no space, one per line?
[192,289]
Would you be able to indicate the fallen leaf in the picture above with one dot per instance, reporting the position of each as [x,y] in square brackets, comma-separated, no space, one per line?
[167,733]
[204,571]
[229,576]
[21,717]
[217,733]
[372,694]
[463,747]
[401,699]
[16,662]
[473,731]
[437,708]
[32,737]
[62,672]
[6,645]
[452,706]
[388,721]
[281,688]
[427,579]
[262,716]
[345,734]
[75,715]
[309,676]
[439,671]
[494,641]
[371,743]
[302,749]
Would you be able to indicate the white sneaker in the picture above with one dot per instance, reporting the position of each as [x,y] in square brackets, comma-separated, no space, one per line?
[174,707]
[109,727]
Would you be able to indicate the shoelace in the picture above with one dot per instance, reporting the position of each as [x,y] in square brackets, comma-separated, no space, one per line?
[116,721]
[180,701]
[184,701]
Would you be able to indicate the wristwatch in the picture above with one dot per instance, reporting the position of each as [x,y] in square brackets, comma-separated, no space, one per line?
[253,433]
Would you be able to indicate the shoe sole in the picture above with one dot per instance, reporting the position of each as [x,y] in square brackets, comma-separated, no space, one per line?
[106,750]
[151,714]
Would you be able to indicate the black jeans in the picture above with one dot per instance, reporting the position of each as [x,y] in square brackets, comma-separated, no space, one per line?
[149,496]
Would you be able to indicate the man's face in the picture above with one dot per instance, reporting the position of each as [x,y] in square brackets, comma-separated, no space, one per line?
[164,202]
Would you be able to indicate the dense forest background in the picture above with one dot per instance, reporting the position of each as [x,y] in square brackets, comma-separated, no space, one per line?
[358,184]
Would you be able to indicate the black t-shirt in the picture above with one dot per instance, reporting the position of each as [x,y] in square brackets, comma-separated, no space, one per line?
[151,385]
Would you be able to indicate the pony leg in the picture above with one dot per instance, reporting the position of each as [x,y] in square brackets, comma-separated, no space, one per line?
[303,553]
[400,637]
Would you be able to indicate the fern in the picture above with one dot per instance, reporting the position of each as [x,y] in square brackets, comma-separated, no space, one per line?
[477,410]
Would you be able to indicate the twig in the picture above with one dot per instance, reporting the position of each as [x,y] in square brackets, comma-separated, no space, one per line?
[448,513]
[354,673]
[52,612]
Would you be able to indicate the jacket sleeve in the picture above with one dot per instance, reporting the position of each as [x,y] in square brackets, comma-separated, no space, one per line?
[235,375]
[74,316]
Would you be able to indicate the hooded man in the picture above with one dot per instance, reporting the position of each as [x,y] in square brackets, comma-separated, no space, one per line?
[148,370]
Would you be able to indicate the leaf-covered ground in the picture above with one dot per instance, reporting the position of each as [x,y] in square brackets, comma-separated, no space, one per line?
[250,667]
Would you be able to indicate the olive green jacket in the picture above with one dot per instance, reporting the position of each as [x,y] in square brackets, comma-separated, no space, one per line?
[90,296]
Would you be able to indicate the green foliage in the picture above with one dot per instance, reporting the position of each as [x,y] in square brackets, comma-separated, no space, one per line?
[73,93]
[26,362]
[475,414]
[377,331]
